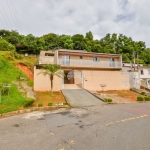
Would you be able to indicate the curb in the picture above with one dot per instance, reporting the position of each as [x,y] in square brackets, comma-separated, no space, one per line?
[96,96]
[22,111]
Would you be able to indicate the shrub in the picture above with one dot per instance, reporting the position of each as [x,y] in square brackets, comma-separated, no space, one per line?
[147,98]
[64,103]
[140,98]
[108,99]
[40,105]
[29,102]
[50,104]
[142,93]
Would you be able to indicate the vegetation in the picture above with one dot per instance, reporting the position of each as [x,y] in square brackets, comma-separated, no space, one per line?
[108,99]
[50,104]
[8,73]
[40,105]
[111,43]
[29,102]
[52,70]
[147,98]
[140,98]
[65,103]
[143,93]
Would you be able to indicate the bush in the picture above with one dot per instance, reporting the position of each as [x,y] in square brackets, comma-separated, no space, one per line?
[40,105]
[142,93]
[50,104]
[108,99]
[147,98]
[29,102]
[140,98]
[64,103]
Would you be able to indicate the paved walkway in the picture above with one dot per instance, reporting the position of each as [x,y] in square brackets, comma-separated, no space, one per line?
[80,98]
[24,88]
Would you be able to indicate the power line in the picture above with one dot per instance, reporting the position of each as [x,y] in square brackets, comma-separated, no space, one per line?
[15,13]
[2,21]
[5,14]
[11,14]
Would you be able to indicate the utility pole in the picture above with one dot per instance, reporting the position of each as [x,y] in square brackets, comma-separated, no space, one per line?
[134,59]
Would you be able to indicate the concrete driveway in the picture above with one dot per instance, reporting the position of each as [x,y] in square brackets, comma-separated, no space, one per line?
[81,98]
[108,127]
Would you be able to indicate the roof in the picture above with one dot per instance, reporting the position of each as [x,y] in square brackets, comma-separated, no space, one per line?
[146,67]
[85,52]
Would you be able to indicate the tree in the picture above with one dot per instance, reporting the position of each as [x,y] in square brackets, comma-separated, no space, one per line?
[6,46]
[52,70]
[78,40]
[145,56]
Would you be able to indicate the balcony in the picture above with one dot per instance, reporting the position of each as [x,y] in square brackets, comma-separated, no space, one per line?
[88,63]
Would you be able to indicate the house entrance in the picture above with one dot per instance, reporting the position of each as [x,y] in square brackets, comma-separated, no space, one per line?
[72,79]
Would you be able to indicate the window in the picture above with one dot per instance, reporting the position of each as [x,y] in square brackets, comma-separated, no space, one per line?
[66,60]
[49,54]
[38,67]
[149,71]
[96,59]
[142,72]
[111,62]
[81,57]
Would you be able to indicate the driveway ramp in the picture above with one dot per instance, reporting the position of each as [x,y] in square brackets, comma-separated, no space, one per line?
[80,98]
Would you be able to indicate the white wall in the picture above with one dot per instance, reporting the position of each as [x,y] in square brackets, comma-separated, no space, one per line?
[146,73]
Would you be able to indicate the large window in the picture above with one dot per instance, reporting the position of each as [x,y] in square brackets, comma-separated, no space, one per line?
[111,62]
[96,59]
[66,60]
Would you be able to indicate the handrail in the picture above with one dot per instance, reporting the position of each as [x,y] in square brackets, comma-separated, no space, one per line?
[87,63]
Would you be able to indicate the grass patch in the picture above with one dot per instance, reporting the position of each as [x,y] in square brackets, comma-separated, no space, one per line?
[9,73]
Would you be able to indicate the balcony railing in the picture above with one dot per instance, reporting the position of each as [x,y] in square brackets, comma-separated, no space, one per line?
[88,63]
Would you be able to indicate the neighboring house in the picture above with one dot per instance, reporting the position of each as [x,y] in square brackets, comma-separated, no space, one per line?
[145,76]
[82,69]
[134,75]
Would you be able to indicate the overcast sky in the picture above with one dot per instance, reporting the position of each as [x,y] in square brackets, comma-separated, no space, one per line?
[129,17]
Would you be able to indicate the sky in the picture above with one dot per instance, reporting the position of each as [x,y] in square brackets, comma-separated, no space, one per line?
[39,17]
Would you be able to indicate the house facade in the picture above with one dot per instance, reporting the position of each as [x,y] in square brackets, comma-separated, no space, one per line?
[82,69]
[144,72]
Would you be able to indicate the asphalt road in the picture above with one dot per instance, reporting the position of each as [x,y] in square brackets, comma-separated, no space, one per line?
[107,127]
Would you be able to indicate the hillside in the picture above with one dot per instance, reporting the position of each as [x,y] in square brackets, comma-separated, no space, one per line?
[9,74]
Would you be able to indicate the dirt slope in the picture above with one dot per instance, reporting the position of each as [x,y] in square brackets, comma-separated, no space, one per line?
[25,69]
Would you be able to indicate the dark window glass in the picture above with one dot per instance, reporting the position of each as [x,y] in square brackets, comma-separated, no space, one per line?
[49,54]
[96,59]
[142,72]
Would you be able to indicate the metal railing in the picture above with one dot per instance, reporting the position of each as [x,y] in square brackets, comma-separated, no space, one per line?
[88,63]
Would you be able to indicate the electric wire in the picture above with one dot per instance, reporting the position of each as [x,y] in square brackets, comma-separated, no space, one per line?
[5,15]
[15,24]
[2,21]
[15,13]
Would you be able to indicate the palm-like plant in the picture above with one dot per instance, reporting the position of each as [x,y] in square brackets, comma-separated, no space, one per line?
[52,70]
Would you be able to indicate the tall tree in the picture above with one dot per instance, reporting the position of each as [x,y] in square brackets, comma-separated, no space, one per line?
[78,40]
